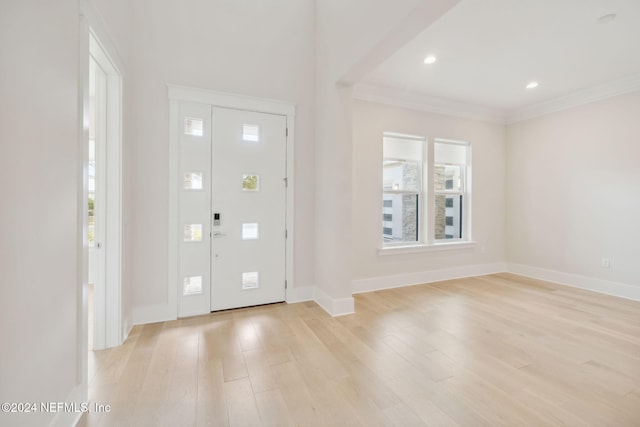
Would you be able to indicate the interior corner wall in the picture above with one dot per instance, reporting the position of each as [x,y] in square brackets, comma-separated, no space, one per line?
[372,271]
[338,49]
[333,197]
[573,194]
[39,189]
[261,49]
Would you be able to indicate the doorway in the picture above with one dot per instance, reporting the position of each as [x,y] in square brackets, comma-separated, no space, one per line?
[104,198]
[231,216]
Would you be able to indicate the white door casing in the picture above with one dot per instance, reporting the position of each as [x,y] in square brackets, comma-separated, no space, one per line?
[96,253]
[232,259]
[109,328]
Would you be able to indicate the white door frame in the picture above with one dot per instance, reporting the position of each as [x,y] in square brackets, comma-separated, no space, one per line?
[108,318]
[179,94]
[108,313]
[97,254]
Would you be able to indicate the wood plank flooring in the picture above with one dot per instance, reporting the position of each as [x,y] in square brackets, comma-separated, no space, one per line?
[498,350]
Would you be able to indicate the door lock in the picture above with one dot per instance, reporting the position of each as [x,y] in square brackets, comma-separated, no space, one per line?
[216,219]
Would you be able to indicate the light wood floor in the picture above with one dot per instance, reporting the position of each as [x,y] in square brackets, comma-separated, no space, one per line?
[497,350]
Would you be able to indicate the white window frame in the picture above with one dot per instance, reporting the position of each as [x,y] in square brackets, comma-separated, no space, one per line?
[426,206]
[463,191]
[420,192]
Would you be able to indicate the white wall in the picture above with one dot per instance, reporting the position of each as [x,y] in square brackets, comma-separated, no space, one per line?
[370,121]
[351,38]
[573,193]
[39,185]
[341,43]
[262,49]
[117,18]
[356,35]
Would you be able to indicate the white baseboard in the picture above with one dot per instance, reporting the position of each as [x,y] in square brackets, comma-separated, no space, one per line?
[78,395]
[344,306]
[301,294]
[127,325]
[602,286]
[153,314]
[421,277]
[335,307]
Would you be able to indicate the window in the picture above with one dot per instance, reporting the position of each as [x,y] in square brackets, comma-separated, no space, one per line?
[402,189]
[193,233]
[250,280]
[449,189]
[192,285]
[250,182]
[250,133]
[424,190]
[193,181]
[250,231]
[193,126]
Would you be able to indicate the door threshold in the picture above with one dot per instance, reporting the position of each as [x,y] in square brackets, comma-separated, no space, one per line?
[249,306]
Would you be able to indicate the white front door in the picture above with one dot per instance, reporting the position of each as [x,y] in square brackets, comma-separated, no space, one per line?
[249,208]
[232,208]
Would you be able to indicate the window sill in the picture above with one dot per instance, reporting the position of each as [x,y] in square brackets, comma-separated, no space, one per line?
[435,247]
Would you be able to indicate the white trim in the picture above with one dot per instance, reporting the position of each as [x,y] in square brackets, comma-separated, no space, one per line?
[78,395]
[89,22]
[82,273]
[627,84]
[127,326]
[113,220]
[98,253]
[421,102]
[602,286]
[154,313]
[108,296]
[301,294]
[178,94]
[335,307]
[289,243]
[231,100]
[422,277]
[172,185]
[435,247]
[98,28]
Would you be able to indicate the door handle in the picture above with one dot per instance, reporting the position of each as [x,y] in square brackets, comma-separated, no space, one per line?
[218,235]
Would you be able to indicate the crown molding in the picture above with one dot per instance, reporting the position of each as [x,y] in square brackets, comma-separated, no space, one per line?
[421,102]
[627,84]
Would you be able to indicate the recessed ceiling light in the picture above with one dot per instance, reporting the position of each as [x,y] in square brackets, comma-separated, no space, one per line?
[532,85]
[430,59]
[606,18]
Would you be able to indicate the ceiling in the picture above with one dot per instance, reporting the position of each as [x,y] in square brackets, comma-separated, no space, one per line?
[489,50]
